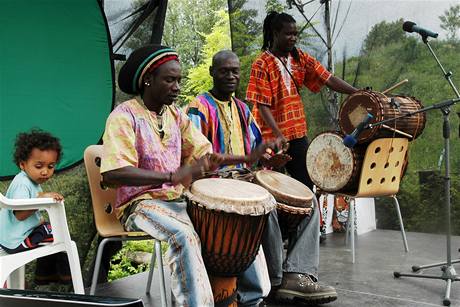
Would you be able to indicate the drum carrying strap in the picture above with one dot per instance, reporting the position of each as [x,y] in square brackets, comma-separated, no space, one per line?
[289,72]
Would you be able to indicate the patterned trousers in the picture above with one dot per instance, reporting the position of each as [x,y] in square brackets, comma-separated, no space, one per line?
[168,221]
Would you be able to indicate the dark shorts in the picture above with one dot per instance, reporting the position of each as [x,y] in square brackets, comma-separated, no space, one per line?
[41,234]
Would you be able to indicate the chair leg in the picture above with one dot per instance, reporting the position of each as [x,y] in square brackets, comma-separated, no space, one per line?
[75,269]
[16,279]
[152,268]
[401,224]
[348,227]
[161,274]
[97,265]
[351,218]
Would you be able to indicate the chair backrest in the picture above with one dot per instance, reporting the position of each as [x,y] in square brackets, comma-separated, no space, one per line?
[382,167]
[103,198]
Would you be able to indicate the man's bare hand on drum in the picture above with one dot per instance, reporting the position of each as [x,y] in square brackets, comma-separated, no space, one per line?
[186,174]
[274,160]
[281,144]
[215,161]
[259,152]
[183,175]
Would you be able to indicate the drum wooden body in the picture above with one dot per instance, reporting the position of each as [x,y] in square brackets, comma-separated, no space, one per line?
[294,199]
[331,165]
[354,109]
[229,216]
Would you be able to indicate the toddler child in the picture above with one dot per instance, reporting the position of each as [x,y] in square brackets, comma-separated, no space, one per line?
[36,154]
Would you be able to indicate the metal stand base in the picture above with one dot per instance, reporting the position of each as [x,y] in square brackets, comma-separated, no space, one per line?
[448,271]
[448,274]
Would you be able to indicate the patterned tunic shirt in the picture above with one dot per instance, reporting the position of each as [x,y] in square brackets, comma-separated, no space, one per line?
[132,138]
[228,125]
[274,84]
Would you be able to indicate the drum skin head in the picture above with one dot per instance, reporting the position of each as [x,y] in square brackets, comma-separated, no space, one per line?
[285,189]
[231,196]
[355,108]
[330,164]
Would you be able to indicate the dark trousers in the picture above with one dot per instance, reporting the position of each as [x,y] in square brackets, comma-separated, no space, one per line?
[41,233]
[297,167]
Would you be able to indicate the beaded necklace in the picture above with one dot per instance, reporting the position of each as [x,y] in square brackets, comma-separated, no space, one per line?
[158,122]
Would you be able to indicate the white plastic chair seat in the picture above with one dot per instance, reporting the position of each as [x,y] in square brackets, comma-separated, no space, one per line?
[12,265]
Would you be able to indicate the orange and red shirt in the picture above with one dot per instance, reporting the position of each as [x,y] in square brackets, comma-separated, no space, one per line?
[271,83]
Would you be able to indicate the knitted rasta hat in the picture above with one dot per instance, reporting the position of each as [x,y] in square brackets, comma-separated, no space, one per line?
[140,61]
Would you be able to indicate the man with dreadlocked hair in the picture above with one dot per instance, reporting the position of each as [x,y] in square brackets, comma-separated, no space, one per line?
[274,88]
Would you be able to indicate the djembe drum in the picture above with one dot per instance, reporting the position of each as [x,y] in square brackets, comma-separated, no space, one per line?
[294,199]
[354,109]
[331,165]
[229,216]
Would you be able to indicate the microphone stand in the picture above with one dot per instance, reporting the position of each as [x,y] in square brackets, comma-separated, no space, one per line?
[448,271]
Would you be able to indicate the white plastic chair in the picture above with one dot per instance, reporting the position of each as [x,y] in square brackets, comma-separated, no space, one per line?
[109,227]
[12,265]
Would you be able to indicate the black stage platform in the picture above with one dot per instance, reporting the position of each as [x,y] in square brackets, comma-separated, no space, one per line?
[367,282]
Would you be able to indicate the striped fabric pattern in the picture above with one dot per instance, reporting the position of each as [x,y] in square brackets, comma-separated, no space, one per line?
[206,112]
[152,61]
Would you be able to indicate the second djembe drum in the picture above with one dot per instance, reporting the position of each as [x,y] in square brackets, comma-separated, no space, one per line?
[294,199]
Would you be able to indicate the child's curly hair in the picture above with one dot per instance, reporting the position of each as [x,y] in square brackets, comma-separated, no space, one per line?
[36,138]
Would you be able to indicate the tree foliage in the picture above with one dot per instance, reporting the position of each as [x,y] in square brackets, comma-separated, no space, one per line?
[450,21]
[244,28]
[186,22]
[382,34]
[275,6]
[198,79]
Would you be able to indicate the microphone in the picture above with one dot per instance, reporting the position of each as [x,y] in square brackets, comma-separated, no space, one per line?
[410,27]
[350,140]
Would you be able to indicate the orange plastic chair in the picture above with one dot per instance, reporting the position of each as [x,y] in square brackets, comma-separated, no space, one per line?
[380,177]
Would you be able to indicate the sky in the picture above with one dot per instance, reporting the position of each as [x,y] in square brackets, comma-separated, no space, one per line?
[362,16]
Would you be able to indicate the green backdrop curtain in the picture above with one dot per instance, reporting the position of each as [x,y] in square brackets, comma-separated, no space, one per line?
[56,74]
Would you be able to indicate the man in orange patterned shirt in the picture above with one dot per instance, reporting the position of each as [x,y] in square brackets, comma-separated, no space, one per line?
[275,81]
